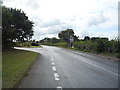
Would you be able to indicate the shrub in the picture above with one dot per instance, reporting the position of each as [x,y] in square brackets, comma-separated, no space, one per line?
[35,44]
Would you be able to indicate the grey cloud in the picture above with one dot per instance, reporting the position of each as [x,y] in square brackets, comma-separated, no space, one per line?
[54,27]
[34,4]
[84,33]
[52,30]
[37,20]
[54,22]
[96,20]
[6,0]
[58,28]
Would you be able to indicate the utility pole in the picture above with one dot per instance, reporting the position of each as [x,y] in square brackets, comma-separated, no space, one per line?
[68,38]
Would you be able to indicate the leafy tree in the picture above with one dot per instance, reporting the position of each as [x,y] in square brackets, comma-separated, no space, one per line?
[86,38]
[65,35]
[16,26]
[54,40]
[94,38]
[75,38]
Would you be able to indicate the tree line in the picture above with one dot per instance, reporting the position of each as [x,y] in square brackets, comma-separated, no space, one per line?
[16,27]
[93,44]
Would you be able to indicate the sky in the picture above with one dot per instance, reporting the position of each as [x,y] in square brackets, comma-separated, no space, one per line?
[94,18]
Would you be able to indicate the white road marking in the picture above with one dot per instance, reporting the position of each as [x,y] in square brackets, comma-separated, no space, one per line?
[54,68]
[56,76]
[57,79]
[59,88]
[101,68]
[53,63]
[52,59]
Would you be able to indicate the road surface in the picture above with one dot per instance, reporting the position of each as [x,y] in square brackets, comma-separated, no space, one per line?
[63,68]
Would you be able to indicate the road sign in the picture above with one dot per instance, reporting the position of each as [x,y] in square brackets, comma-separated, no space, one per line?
[71,39]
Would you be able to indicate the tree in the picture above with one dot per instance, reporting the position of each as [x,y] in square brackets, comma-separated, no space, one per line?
[65,35]
[76,38]
[94,38]
[86,38]
[54,40]
[16,26]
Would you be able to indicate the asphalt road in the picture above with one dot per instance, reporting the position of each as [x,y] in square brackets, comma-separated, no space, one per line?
[63,68]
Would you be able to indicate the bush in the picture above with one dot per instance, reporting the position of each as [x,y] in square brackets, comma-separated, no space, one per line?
[62,44]
[100,46]
[35,44]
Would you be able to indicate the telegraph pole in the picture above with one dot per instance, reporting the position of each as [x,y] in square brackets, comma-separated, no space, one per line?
[71,40]
[68,39]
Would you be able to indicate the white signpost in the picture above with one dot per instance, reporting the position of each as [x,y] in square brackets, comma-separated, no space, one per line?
[71,41]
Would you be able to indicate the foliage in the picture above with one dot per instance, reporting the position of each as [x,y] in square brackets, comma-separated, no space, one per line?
[62,44]
[35,44]
[16,27]
[84,45]
[50,40]
[54,40]
[86,38]
[65,35]
[27,44]
[99,46]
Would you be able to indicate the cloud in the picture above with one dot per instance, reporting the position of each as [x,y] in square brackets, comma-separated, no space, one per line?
[111,35]
[34,4]
[97,20]
[84,33]
[51,23]
[83,16]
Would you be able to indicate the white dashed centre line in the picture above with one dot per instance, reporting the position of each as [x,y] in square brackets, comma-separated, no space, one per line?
[59,88]
[53,63]
[52,59]
[56,76]
[54,68]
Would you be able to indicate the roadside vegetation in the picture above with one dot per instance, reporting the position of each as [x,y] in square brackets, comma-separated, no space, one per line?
[16,63]
[30,44]
[98,45]
[16,27]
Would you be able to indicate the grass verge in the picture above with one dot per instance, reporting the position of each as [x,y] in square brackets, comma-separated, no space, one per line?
[112,55]
[32,46]
[15,65]
[35,46]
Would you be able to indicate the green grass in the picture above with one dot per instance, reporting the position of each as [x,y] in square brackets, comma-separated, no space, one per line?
[110,54]
[15,65]
[93,52]
[31,46]
[35,46]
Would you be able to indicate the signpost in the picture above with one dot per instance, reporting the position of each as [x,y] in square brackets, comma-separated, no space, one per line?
[71,41]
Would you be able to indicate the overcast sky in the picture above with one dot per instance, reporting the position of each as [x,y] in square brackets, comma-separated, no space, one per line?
[86,17]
